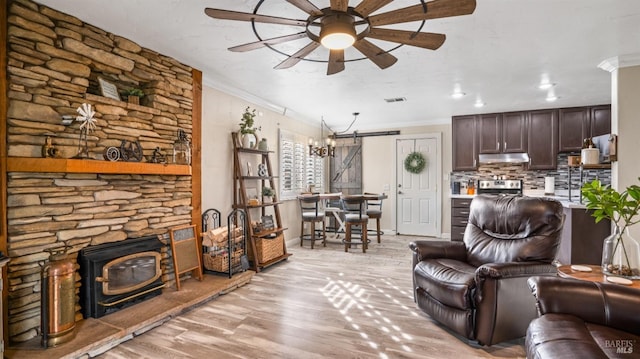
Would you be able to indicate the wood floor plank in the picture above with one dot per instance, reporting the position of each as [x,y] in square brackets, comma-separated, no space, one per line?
[320,303]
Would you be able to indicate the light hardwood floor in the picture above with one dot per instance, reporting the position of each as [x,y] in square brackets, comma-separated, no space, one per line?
[320,303]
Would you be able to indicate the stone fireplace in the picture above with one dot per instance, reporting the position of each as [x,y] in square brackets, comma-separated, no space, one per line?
[54,62]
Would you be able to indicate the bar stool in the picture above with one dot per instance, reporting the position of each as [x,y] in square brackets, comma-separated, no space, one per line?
[374,210]
[355,215]
[311,213]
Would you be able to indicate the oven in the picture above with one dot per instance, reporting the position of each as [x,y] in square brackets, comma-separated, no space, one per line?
[500,187]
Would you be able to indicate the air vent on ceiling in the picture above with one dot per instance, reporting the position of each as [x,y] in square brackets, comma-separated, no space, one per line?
[395,99]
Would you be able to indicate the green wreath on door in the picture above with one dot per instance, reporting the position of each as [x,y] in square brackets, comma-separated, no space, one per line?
[415,163]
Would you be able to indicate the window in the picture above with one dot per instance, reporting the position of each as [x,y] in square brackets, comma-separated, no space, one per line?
[298,170]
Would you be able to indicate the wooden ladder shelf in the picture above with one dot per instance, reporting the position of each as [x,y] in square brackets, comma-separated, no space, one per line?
[267,246]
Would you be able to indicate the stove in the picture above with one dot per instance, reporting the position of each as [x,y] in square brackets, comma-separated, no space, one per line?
[506,186]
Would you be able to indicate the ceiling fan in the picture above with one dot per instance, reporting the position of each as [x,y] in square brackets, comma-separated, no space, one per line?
[340,26]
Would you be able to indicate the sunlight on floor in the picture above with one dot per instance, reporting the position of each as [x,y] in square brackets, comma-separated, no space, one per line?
[348,297]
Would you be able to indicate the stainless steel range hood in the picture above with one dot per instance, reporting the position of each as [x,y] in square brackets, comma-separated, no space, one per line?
[504,158]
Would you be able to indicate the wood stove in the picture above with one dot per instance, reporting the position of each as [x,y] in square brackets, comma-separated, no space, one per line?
[117,275]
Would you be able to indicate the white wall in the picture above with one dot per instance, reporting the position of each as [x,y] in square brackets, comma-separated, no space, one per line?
[378,169]
[221,115]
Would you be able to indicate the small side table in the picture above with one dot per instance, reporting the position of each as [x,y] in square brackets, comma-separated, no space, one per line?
[595,275]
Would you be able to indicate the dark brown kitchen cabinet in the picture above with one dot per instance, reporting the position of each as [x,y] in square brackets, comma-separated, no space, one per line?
[600,117]
[502,133]
[464,143]
[577,123]
[543,139]
[459,217]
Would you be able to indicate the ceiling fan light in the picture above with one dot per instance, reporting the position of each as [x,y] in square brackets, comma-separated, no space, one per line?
[338,31]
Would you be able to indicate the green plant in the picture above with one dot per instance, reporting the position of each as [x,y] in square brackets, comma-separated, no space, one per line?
[619,207]
[607,203]
[247,122]
[268,192]
[134,92]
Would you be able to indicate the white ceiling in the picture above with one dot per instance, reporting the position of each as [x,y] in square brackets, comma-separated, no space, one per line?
[499,54]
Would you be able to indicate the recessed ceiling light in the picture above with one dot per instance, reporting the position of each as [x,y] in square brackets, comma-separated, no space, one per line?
[546,85]
[458,95]
[551,98]
[479,103]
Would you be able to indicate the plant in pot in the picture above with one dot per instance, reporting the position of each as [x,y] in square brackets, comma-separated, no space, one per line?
[247,129]
[267,194]
[620,251]
[134,95]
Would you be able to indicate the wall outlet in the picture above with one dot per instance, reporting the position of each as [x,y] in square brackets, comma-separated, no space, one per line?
[386,187]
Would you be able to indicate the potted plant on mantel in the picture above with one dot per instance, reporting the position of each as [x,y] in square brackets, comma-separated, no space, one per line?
[247,129]
[134,95]
[620,251]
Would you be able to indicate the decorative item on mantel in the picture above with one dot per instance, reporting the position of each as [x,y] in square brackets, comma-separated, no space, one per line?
[247,131]
[134,95]
[182,149]
[88,125]
[620,251]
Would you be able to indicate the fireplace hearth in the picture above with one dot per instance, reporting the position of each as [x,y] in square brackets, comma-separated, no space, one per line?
[117,275]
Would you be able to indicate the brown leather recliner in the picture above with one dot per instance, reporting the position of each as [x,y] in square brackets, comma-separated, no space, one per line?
[581,319]
[478,287]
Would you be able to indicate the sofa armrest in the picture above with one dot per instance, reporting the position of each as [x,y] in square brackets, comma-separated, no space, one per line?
[514,269]
[605,304]
[437,249]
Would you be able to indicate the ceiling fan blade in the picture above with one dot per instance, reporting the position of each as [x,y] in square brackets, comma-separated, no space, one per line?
[336,62]
[375,54]
[427,40]
[306,6]
[272,41]
[339,5]
[367,7]
[435,10]
[243,16]
[295,58]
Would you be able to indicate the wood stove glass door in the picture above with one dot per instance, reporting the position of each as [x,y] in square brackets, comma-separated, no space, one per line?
[129,273]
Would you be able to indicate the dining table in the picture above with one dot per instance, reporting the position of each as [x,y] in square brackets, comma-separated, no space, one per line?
[336,212]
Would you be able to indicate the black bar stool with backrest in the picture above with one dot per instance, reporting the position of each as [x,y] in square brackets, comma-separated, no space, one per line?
[311,212]
[354,207]
[374,210]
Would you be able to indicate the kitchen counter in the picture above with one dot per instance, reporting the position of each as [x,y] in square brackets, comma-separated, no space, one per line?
[561,196]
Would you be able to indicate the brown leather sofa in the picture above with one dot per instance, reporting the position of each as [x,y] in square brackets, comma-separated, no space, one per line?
[478,287]
[581,319]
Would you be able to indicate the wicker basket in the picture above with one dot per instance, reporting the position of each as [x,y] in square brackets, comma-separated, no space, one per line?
[269,248]
[220,262]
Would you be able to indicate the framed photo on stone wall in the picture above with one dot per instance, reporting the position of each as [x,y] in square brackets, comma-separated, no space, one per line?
[108,89]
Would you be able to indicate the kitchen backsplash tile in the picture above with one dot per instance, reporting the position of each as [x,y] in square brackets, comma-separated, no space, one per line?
[535,179]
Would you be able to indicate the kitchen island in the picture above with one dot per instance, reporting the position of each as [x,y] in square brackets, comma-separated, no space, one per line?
[582,237]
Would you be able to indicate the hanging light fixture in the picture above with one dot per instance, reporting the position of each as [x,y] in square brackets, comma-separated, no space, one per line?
[338,31]
[324,150]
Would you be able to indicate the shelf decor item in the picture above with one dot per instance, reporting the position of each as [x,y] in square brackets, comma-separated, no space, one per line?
[182,149]
[247,129]
[620,251]
[267,194]
[415,162]
[85,116]
[134,95]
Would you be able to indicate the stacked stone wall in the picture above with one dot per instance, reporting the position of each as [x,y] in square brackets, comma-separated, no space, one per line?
[54,63]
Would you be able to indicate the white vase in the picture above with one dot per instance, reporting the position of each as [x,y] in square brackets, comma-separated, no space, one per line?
[621,255]
[249,140]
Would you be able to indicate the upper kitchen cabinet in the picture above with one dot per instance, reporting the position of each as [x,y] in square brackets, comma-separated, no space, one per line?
[465,156]
[543,139]
[577,123]
[502,133]
[600,120]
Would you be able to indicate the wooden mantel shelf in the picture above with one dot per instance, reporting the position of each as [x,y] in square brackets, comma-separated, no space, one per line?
[67,165]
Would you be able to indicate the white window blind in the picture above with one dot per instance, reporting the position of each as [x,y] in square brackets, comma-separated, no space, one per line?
[298,170]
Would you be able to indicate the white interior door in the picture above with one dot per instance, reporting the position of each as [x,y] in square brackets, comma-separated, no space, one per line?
[418,194]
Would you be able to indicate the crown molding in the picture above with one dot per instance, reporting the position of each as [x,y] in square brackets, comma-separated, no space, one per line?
[613,63]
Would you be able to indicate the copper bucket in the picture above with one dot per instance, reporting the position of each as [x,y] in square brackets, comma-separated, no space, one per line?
[58,300]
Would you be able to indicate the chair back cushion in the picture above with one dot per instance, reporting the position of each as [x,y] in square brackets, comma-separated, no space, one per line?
[513,229]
